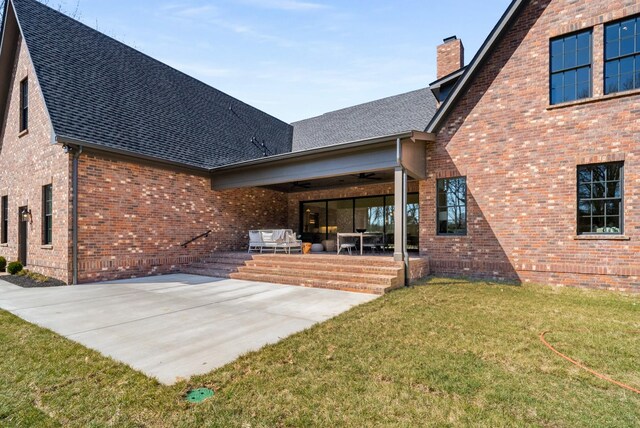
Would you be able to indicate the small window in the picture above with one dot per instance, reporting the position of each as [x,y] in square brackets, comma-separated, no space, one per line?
[47,214]
[452,206]
[622,56]
[600,201]
[24,105]
[4,211]
[571,67]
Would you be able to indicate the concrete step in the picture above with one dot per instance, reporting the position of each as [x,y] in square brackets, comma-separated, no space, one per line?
[333,285]
[216,273]
[342,266]
[231,267]
[324,275]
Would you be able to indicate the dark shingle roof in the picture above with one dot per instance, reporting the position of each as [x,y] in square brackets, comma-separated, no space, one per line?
[399,113]
[103,92]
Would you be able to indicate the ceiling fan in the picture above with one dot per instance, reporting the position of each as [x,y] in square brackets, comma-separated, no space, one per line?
[368,176]
[298,184]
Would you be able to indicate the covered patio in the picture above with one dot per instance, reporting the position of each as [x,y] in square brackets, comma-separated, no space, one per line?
[336,192]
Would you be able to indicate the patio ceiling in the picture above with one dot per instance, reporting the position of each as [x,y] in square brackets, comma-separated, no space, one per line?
[331,166]
[350,180]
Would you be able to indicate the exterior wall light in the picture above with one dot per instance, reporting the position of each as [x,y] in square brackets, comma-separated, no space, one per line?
[25,216]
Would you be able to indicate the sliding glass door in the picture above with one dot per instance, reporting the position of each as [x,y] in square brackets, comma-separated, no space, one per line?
[324,219]
[314,222]
[340,217]
[413,221]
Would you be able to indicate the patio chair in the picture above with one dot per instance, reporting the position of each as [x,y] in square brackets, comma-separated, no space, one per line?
[347,246]
[255,240]
[373,241]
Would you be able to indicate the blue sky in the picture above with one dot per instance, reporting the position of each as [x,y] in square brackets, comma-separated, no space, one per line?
[296,58]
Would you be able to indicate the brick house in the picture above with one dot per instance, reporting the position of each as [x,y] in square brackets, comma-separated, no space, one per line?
[520,165]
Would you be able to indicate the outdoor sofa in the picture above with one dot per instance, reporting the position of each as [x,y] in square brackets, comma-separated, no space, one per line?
[276,239]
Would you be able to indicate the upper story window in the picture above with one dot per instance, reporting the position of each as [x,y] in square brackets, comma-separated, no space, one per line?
[47,214]
[24,105]
[4,214]
[600,202]
[622,56]
[571,67]
[452,206]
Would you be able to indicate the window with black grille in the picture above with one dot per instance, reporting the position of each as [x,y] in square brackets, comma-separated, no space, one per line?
[600,199]
[47,214]
[622,56]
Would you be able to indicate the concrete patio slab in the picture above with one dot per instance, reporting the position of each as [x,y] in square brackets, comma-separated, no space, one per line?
[176,326]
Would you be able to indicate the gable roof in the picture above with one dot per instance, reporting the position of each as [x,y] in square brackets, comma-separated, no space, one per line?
[392,115]
[470,71]
[108,95]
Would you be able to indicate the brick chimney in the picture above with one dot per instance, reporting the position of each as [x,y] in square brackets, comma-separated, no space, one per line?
[450,56]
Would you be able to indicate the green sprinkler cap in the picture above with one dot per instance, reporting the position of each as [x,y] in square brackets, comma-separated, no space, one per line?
[199,395]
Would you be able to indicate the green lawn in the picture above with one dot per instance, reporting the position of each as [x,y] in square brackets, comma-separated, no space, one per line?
[449,353]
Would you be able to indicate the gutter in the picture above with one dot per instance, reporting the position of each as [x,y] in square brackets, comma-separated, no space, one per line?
[319,150]
[74,221]
[60,139]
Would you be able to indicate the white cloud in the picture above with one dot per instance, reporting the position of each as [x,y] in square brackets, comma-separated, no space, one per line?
[187,10]
[248,31]
[196,11]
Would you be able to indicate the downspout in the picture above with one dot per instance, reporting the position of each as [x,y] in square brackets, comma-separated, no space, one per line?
[74,233]
[403,214]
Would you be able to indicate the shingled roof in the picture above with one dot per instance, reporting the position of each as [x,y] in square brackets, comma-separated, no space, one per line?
[387,116]
[102,92]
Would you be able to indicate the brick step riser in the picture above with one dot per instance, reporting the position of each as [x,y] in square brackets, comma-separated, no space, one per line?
[335,285]
[315,275]
[374,270]
[227,260]
[297,258]
[349,261]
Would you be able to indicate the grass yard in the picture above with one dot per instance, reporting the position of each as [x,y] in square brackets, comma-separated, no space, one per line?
[451,353]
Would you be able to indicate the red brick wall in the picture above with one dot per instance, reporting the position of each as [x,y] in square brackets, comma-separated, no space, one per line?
[520,157]
[450,57]
[29,161]
[133,216]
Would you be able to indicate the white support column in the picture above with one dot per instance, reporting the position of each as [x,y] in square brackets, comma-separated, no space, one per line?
[400,214]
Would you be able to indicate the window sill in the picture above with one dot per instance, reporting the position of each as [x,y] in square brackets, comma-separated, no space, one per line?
[628,93]
[4,245]
[23,133]
[602,238]
[46,247]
